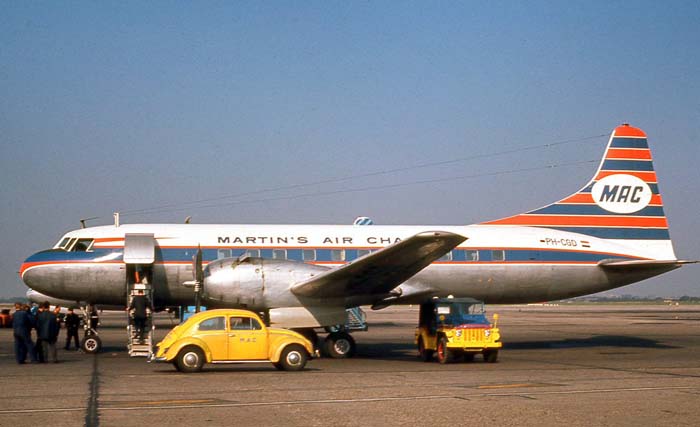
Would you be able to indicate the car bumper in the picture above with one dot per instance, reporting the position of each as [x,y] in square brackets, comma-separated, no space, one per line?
[153,358]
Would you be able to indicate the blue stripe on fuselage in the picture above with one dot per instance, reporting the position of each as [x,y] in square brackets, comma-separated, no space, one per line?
[183,255]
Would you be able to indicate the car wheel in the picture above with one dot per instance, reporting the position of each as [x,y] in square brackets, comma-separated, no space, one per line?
[444,355]
[91,344]
[491,356]
[190,359]
[424,354]
[293,358]
[340,345]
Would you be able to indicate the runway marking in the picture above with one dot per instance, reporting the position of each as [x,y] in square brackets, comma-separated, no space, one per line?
[92,415]
[159,402]
[608,390]
[497,386]
[341,401]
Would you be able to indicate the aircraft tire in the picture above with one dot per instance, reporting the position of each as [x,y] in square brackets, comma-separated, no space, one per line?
[444,354]
[424,354]
[190,359]
[490,356]
[293,358]
[91,344]
[339,345]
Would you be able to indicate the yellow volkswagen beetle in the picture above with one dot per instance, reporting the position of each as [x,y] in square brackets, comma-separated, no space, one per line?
[231,336]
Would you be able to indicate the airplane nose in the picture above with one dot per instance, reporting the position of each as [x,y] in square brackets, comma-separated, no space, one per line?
[31,274]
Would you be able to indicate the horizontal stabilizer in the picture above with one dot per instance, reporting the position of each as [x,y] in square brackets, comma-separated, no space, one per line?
[638,265]
[383,270]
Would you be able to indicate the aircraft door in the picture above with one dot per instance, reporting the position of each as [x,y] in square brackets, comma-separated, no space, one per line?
[247,340]
[139,248]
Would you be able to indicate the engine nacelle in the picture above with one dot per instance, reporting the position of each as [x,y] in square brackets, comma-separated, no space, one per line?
[254,283]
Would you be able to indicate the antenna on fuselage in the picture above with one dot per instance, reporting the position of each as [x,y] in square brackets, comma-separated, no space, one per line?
[82,221]
[188,219]
[116,219]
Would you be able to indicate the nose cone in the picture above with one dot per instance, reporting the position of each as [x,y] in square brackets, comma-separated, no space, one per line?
[32,272]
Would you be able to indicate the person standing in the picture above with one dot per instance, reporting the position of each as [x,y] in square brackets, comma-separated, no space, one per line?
[47,329]
[22,322]
[72,322]
[139,304]
[36,311]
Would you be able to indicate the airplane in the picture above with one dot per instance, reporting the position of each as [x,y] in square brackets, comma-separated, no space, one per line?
[610,233]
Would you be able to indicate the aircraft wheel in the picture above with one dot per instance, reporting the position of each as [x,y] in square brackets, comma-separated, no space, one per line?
[190,359]
[293,358]
[444,355]
[424,354]
[91,344]
[490,356]
[340,345]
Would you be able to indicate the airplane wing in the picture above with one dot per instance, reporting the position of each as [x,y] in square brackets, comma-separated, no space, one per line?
[381,271]
[638,265]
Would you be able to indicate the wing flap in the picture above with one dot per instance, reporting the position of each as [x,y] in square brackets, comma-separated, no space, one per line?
[383,270]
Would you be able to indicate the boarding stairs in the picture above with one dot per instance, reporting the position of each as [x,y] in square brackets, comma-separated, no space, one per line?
[137,346]
[356,319]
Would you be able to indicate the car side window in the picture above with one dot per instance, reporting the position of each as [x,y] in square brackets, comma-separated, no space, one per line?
[213,324]
[243,323]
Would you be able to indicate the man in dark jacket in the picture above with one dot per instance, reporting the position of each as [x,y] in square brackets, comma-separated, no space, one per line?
[22,322]
[139,303]
[47,329]
[72,322]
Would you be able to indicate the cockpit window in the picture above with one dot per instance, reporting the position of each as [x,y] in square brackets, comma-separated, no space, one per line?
[63,243]
[82,245]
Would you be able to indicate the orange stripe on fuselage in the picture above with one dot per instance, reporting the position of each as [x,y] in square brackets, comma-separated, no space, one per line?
[628,153]
[583,220]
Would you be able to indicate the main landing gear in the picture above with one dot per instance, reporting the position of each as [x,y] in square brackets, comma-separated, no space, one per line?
[337,344]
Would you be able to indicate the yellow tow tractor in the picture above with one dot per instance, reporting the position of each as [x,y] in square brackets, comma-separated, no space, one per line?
[452,328]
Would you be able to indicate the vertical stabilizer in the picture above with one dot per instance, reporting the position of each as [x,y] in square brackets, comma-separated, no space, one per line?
[621,202]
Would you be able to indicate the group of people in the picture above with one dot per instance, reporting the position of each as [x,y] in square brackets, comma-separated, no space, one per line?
[47,324]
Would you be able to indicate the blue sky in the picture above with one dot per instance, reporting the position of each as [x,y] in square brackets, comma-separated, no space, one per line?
[129,105]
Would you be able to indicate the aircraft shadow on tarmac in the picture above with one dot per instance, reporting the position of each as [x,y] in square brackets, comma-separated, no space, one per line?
[594,341]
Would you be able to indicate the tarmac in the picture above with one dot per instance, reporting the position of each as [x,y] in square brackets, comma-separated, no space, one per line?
[574,365]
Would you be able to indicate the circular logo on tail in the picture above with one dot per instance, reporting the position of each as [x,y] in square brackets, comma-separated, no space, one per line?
[621,193]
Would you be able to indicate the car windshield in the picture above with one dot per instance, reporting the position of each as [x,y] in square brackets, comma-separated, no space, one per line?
[461,313]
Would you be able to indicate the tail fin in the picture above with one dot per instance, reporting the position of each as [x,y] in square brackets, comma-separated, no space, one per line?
[622,201]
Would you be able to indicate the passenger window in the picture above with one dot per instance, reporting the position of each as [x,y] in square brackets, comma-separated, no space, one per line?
[446,257]
[253,252]
[338,255]
[498,255]
[309,255]
[362,252]
[471,255]
[223,253]
[213,324]
[279,254]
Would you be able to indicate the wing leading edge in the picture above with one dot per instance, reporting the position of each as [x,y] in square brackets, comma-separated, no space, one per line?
[381,271]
